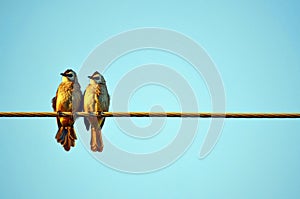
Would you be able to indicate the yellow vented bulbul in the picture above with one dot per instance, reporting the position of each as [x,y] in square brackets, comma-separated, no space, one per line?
[96,99]
[68,99]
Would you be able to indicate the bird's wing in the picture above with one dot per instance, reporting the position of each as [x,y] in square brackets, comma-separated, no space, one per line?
[102,120]
[108,101]
[87,123]
[85,119]
[81,102]
[54,103]
[80,108]
[54,109]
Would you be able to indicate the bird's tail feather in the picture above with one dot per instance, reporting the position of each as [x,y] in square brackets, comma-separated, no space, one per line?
[96,140]
[99,140]
[66,136]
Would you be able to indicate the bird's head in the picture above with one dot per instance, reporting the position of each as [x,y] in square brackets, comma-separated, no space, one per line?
[69,76]
[97,78]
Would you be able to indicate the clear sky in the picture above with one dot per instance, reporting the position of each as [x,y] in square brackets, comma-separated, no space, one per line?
[255,46]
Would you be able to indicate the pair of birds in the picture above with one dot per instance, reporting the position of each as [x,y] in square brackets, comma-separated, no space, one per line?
[69,98]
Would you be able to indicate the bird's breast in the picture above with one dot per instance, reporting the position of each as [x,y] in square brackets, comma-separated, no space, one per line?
[96,98]
[68,98]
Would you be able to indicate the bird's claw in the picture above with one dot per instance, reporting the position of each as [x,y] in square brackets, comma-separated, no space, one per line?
[99,113]
[60,114]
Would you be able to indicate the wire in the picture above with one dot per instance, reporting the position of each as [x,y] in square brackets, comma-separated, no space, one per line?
[151,114]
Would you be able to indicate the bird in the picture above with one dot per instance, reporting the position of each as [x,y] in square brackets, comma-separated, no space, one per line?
[96,99]
[68,99]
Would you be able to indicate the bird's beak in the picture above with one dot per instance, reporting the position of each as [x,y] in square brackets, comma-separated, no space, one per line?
[63,74]
[90,77]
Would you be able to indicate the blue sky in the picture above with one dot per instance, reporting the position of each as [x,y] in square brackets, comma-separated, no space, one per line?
[255,46]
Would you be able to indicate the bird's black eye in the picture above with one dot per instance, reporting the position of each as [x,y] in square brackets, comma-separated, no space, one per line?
[96,78]
[70,75]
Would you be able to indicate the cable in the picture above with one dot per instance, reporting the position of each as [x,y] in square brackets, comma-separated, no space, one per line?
[152,114]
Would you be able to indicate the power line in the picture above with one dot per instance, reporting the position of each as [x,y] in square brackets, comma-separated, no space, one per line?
[152,114]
